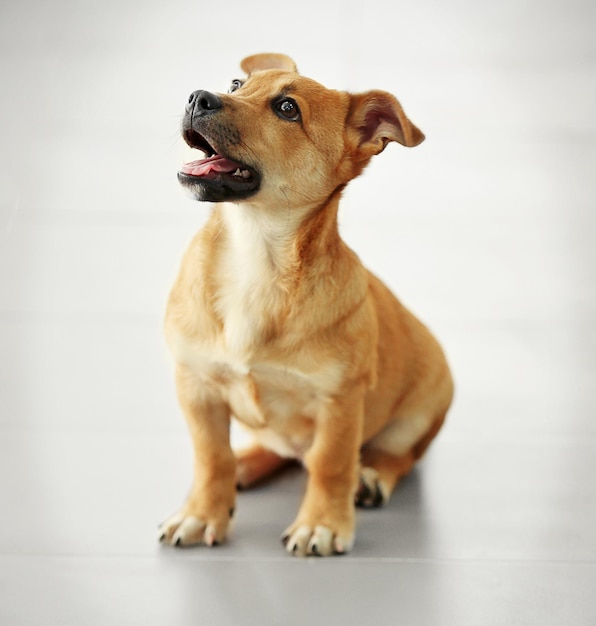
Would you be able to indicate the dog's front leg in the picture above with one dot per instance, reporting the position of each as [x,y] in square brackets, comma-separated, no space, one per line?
[326,520]
[205,516]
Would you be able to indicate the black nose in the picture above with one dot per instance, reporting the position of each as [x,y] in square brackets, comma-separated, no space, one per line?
[203,102]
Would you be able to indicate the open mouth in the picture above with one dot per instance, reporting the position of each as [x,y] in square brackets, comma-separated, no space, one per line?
[223,176]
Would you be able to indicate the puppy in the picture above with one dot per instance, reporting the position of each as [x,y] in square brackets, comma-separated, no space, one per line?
[273,319]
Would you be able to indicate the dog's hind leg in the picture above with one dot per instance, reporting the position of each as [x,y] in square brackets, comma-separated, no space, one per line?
[255,464]
[381,469]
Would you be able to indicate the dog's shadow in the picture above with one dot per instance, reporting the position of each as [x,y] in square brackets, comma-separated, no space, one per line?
[401,528]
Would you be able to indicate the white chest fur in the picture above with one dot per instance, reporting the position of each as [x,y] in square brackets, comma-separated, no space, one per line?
[249,294]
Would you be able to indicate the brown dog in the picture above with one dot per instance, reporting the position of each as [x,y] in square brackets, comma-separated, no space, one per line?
[274,320]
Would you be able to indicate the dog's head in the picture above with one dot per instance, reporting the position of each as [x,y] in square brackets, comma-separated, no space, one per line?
[284,140]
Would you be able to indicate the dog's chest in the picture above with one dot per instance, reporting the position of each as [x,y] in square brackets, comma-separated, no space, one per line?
[264,395]
[245,300]
[272,386]
[248,298]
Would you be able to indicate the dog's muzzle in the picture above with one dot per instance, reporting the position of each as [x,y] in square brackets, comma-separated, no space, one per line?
[218,177]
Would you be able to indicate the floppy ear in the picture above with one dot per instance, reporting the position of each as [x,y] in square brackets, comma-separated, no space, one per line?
[268,61]
[377,118]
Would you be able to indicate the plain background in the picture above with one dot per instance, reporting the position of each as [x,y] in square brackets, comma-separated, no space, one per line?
[486,231]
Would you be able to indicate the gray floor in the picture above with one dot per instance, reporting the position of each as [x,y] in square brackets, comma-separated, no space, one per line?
[486,231]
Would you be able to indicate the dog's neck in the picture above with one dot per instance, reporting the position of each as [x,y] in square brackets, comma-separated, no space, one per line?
[265,262]
[285,239]
[259,236]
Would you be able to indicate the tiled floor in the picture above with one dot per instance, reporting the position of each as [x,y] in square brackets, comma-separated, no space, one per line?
[487,231]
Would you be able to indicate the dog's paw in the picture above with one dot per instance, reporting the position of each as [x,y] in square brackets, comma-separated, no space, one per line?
[184,529]
[371,492]
[306,540]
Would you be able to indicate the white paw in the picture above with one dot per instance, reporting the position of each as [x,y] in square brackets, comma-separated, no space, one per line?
[317,541]
[181,530]
[371,491]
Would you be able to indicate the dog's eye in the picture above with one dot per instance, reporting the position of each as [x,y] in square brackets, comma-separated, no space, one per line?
[287,109]
[236,84]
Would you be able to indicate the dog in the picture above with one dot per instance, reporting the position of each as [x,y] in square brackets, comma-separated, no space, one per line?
[274,321]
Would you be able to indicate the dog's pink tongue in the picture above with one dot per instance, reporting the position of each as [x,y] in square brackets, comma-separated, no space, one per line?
[204,167]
